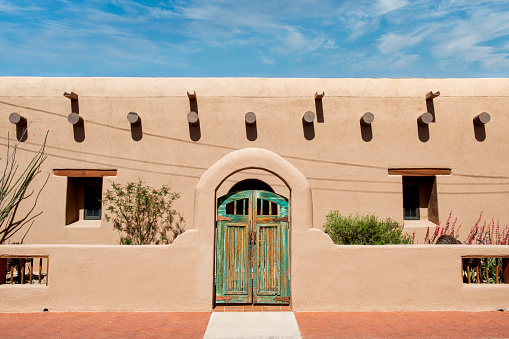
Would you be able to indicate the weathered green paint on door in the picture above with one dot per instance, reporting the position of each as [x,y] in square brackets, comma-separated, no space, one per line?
[252,248]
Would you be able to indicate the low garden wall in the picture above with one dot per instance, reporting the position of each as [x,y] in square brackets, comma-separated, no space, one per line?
[323,278]
[393,278]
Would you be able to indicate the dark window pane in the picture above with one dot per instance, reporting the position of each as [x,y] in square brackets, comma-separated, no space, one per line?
[411,202]
[266,204]
[240,207]
[273,208]
[92,202]
[229,208]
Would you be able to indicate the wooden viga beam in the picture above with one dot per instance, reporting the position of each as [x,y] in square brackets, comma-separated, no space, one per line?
[72,95]
[319,95]
[432,95]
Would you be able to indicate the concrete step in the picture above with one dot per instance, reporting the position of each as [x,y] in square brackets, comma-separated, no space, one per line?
[253,325]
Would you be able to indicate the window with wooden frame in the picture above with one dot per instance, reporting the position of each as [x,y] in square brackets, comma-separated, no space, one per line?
[420,201]
[84,193]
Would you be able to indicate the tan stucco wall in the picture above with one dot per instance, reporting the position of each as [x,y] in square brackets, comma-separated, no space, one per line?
[324,276]
[343,171]
[329,278]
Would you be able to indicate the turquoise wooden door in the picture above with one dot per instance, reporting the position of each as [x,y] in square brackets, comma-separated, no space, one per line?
[252,248]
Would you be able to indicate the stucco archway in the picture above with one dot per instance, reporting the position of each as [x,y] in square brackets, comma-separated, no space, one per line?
[301,208]
[301,205]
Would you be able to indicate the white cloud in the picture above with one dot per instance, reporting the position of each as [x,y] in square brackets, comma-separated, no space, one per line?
[470,40]
[374,35]
[268,61]
[293,41]
[391,42]
[386,6]
[10,7]
[330,44]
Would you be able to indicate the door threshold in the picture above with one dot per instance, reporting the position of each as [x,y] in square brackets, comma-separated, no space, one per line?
[252,308]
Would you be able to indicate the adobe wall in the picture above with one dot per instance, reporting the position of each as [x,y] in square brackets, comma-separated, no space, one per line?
[328,277]
[344,169]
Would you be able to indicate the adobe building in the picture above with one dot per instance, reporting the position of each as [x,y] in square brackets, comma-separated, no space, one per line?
[264,160]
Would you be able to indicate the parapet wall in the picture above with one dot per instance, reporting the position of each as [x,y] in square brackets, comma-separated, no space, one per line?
[326,277]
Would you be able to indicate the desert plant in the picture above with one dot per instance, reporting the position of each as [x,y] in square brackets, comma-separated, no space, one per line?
[482,233]
[364,230]
[14,190]
[143,215]
[488,233]
[449,229]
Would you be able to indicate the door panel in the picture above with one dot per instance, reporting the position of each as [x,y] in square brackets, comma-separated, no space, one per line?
[269,246]
[236,251]
[233,279]
[252,248]
[271,274]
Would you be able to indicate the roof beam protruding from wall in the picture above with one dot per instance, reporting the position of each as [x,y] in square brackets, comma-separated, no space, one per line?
[133,118]
[425,119]
[319,107]
[482,119]
[430,105]
[193,119]
[367,118]
[432,95]
[308,118]
[17,119]
[21,126]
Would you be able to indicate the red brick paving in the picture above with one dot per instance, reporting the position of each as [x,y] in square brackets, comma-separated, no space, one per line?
[403,324]
[312,325]
[104,325]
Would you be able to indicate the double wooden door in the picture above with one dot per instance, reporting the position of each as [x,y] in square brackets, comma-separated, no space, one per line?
[252,248]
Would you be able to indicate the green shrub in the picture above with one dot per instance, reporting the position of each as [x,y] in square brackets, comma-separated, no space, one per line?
[143,215]
[364,230]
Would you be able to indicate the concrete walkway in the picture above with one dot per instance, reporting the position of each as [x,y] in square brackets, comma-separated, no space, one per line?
[311,324]
[282,325]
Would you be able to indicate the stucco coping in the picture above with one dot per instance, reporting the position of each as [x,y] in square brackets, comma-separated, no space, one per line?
[252,87]
[469,249]
[53,246]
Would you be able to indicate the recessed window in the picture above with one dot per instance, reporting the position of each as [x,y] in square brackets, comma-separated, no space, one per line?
[420,198]
[83,199]
[84,193]
[420,192]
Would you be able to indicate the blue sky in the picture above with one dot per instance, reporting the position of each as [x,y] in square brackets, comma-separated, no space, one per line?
[213,38]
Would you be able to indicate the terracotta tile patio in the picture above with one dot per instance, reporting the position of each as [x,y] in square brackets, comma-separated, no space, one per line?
[312,325]
[403,324]
[104,325]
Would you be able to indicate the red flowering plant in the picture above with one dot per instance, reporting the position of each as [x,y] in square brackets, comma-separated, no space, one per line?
[479,270]
[488,233]
[449,229]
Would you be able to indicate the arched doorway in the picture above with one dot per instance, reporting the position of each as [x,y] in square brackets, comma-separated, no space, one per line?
[205,209]
[252,248]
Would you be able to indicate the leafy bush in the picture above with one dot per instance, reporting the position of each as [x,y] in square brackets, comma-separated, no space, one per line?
[143,215]
[364,230]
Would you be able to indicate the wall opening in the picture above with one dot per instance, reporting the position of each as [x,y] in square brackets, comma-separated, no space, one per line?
[251,185]
[420,198]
